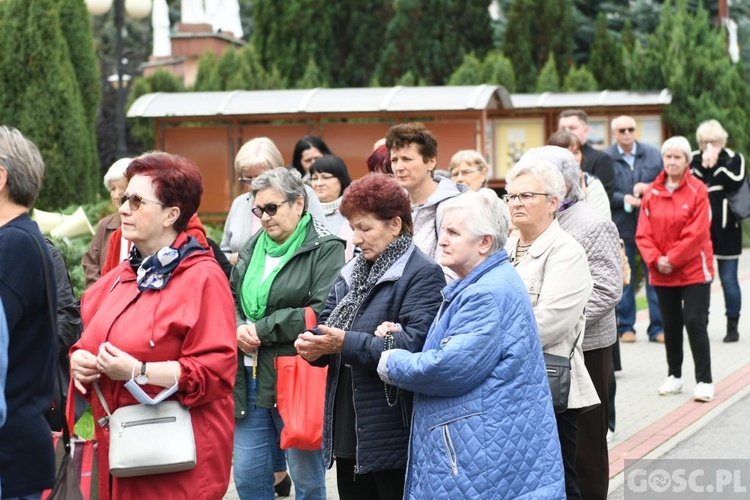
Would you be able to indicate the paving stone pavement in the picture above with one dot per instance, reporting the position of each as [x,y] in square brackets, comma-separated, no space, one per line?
[640,408]
[644,369]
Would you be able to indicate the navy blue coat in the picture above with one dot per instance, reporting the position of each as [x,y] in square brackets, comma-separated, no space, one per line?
[646,167]
[407,294]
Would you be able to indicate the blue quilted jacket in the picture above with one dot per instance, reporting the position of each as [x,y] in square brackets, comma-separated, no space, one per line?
[483,424]
[408,294]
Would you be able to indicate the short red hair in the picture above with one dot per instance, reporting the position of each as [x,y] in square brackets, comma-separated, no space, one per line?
[380,161]
[379,195]
[177,182]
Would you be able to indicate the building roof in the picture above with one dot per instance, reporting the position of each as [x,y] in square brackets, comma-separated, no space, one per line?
[604,98]
[320,101]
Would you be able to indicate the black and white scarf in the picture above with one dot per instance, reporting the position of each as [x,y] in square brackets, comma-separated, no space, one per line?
[364,276]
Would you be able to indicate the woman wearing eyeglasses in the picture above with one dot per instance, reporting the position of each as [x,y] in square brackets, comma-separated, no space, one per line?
[469,168]
[286,267]
[254,157]
[162,319]
[554,269]
[329,179]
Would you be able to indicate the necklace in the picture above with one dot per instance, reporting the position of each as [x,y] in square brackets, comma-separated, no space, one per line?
[388,344]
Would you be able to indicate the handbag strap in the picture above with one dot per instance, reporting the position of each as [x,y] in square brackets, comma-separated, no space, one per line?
[573,349]
[53,324]
[105,420]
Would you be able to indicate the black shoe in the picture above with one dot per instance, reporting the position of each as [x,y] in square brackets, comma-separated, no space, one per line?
[733,335]
[284,488]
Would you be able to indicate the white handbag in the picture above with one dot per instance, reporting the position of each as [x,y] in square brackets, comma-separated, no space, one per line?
[149,439]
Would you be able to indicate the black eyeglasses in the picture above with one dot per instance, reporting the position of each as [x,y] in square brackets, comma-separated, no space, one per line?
[136,200]
[269,208]
[626,129]
[247,181]
[522,197]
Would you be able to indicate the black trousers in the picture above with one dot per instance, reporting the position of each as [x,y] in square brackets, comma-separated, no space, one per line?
[567,428]
[378,485]
[686,306]
[592,455]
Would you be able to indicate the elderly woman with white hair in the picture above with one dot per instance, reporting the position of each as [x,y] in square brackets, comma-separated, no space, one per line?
[554,268]
[723,172]
[255,157]
[478,375]
[674,239]
[600,240]
[95,257]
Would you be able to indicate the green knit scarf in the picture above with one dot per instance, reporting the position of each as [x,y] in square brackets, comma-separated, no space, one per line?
[255,289]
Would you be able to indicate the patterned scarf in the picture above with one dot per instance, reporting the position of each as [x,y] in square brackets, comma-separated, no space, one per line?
[364,276]
[153,272]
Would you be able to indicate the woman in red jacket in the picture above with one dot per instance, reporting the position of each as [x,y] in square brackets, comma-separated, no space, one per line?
[163,318]
[674,239]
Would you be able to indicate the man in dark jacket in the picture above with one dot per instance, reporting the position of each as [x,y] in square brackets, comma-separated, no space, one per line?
[636,166]
[595,162]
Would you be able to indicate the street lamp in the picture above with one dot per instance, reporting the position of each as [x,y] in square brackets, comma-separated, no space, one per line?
[137,9]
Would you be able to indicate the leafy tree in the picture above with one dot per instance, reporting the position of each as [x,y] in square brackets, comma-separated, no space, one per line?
[518,45]
[498,70]
[605,60]
[688,56]
[288,34]
[469,73]
[556,29]
[358,40]
[80,39]
[549,80]
[429,38]
[39,95]
[207,78]
[312,77]
[580,80]
[535,29]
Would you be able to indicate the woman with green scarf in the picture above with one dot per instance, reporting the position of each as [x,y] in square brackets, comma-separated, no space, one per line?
[287,266]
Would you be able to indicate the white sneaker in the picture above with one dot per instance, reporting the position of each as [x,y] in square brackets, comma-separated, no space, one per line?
[703,392]
[672,385]
[610,435]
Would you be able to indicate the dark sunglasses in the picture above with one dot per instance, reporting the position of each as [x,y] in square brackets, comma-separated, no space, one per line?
[626,129]
[136,201]
[269,208]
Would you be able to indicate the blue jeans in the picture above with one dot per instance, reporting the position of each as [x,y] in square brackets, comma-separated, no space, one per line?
[256,439]
[625,310]
[730,285]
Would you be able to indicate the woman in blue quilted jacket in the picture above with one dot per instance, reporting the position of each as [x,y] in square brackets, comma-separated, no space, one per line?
[483,424]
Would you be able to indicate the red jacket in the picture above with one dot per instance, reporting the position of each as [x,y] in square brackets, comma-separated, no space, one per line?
[676,224]
[192,321]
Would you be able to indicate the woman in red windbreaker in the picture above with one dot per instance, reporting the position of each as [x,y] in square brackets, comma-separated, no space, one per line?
[165,314]
[673,237]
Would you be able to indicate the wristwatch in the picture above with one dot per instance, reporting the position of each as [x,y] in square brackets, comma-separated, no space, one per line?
[142,378]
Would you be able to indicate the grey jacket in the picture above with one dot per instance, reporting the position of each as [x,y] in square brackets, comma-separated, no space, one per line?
[601,242]
[427,222]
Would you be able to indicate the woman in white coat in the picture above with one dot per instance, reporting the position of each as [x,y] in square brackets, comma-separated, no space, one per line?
[554,269]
